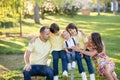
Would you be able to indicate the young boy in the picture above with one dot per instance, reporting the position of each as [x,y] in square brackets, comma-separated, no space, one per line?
[70,42]
[57,50]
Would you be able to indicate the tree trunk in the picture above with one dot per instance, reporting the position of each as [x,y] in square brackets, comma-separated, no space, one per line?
[42,12]
[36,14]
[105,9]
[115,6]
[98,5]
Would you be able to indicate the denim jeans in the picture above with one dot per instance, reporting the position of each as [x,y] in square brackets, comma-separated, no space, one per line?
[39,70]
[70,56]
[56,55]
[88,61]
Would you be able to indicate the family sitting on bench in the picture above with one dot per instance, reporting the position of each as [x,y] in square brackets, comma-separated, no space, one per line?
[63,44]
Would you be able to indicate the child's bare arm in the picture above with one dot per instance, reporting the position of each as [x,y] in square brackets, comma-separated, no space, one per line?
[89,53]
[33,39]
[83,33]
[67,50]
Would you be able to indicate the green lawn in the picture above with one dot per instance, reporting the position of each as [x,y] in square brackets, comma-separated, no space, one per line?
[107,24]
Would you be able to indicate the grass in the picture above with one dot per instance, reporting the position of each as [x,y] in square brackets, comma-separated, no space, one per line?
[107,24]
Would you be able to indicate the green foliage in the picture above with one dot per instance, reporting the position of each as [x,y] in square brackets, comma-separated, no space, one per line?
[11,75]
[70,9]
[102,1]
[40,2]
[7,24]
[11,7]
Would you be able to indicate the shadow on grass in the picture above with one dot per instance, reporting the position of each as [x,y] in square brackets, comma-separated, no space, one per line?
[28,23]
[13,46]
[10,44]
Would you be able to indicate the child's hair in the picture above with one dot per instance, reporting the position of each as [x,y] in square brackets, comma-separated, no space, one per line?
[54,28]
[71,26]
[63,33]
[97,42]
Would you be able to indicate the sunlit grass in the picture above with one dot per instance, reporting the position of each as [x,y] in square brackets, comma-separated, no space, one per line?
[107,24]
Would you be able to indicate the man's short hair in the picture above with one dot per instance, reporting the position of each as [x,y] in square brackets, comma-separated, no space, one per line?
[42,29]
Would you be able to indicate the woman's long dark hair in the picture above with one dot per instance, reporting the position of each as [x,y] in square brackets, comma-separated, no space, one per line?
[97,42]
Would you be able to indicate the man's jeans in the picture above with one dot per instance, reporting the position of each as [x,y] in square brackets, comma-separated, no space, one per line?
[56,55]
[88,61]
[38,70]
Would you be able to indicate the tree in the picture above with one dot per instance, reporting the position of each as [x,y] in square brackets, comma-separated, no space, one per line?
[114,6]
[36,13]
[10,8]
[104,3]
[98,6]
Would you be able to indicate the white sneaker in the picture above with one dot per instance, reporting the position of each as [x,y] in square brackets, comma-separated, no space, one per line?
[55,78]
[92,76]
[73,64]
[65,73]
[69,66]
[83,75]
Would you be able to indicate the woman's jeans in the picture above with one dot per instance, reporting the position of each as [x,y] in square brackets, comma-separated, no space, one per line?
[88,61]
[56,55]
[38,70]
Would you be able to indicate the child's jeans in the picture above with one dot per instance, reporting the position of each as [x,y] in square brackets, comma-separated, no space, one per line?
[70,56]
[88,61]
[56,55]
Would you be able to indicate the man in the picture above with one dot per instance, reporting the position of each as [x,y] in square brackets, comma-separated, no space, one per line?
[36,56]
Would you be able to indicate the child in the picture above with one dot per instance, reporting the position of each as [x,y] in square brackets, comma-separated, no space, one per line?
[57,50]
[68,44]
[82,39]
[104,65]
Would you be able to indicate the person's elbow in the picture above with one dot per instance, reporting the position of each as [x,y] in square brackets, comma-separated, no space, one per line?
[27,53]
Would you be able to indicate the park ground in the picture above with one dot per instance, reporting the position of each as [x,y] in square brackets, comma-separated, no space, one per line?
[12,48]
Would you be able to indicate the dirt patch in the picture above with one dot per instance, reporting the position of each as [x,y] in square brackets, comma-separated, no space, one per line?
[12,62]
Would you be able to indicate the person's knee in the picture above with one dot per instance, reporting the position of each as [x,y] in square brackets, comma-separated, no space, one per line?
[25,72]
[50,73]
[78,56]
[64,57]
[107,72]
[86,57]
[63,54]
[55,58]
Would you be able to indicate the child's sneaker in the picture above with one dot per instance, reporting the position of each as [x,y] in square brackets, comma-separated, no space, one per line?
[73,64]
[83,75]
[56,78]
[65,73]
[69,66]
[92,76]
